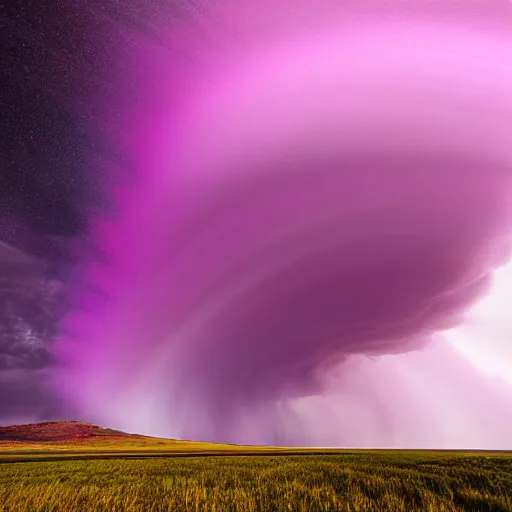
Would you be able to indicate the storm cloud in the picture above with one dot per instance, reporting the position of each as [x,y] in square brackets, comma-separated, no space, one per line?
[319,192]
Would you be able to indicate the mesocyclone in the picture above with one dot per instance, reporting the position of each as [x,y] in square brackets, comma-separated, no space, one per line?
[326,192]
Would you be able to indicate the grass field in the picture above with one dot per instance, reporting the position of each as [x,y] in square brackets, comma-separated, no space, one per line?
[74,466]
[356,481]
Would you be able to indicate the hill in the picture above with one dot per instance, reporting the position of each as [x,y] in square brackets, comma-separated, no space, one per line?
[81,437]
[62,432]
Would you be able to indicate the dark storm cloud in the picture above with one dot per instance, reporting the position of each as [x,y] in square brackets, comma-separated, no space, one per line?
[58,66]
[25,398]
[43,143]
[50,66]
[30,307]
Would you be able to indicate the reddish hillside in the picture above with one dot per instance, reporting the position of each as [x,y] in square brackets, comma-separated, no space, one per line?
[60,431]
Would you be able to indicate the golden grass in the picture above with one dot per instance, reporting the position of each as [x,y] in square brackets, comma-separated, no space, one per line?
[357,481]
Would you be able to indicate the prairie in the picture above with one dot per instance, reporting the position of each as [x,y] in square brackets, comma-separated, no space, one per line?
[121,472]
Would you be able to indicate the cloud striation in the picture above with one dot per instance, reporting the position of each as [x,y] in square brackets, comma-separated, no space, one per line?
[328,188]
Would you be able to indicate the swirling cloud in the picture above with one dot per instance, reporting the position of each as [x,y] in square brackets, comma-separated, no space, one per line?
[325,193]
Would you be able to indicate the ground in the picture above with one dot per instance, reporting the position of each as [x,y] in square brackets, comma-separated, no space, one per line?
[113,471]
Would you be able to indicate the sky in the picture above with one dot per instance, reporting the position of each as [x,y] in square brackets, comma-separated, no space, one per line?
[286,223]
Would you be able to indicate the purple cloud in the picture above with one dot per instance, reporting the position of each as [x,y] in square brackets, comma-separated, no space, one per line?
[325,192]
